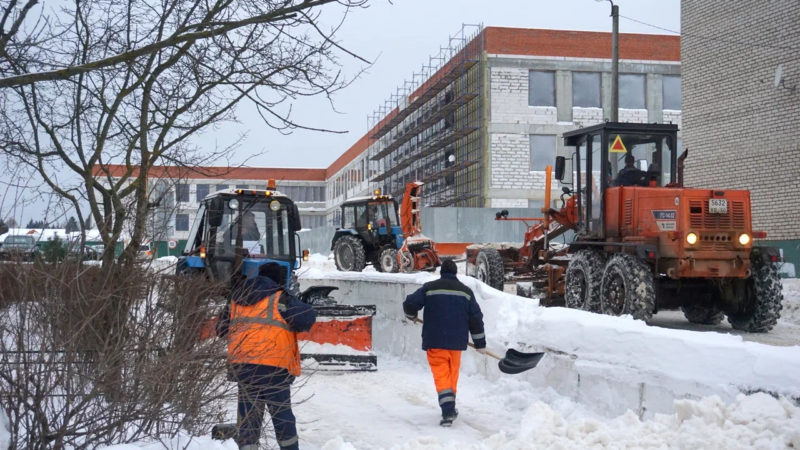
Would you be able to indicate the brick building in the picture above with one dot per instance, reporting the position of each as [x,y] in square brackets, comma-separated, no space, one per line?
[480,125]
[740,127]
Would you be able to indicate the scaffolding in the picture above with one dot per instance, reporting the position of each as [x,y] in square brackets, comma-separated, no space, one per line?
[430,129]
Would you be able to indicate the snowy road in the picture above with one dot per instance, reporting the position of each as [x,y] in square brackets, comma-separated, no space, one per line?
[396,408]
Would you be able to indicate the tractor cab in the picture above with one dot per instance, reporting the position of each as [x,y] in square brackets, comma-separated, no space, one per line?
[237,230]
[614,155]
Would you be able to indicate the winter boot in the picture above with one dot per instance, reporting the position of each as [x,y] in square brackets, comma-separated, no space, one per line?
[448,418]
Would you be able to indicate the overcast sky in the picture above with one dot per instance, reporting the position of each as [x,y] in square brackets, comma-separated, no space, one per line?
[399,37]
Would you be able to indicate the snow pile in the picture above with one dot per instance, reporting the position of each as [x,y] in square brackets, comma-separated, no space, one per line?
[610,363]
[755,421]
[182,442]
[791,301]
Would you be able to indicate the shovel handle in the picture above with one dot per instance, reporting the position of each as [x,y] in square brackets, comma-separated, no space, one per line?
[418,320]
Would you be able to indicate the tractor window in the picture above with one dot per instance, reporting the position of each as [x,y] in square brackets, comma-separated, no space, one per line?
[348,217]
[385,214]
[652,158]
[361,216]
[262,232]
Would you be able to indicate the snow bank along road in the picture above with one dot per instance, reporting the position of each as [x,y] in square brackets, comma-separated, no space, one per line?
[605,365]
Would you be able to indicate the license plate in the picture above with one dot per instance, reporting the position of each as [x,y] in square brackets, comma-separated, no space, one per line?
[717,206]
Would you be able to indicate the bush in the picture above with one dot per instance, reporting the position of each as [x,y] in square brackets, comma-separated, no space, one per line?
[91,357]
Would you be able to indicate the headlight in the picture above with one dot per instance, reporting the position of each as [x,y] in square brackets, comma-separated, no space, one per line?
[691,238]
[744,239]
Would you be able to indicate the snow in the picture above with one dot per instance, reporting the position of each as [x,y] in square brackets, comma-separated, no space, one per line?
[791,301]
[605,381]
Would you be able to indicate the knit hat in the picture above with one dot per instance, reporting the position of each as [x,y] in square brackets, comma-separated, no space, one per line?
[448,266]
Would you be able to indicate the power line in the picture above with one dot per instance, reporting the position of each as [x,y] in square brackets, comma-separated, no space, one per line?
[716,39]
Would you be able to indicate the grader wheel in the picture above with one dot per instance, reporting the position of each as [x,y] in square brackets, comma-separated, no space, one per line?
[763,299]
[489,267]
[628,287]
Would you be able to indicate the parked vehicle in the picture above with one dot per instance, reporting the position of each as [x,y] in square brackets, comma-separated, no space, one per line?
[19,247]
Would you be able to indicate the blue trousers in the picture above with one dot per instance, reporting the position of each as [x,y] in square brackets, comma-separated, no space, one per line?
[274,393]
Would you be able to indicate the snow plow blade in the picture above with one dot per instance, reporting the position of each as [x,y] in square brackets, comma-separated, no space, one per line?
[340,340]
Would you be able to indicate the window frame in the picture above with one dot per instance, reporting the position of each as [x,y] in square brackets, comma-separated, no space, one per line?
[599,93]
[532,100]
[531,139]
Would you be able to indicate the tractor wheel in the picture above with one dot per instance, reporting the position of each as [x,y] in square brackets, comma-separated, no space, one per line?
[628,287]
[489,268]
[349,254]
[703,314]
[582,280]
[763,297]
[387,261]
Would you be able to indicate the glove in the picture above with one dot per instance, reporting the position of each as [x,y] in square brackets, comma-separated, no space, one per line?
[481,350]
[411,317]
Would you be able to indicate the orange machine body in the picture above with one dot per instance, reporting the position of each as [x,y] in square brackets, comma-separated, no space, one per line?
[663,217]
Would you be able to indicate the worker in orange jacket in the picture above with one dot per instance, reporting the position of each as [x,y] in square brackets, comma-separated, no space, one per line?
[261,323]
[450,314]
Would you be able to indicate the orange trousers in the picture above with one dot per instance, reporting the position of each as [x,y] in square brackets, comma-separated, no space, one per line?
[444,365]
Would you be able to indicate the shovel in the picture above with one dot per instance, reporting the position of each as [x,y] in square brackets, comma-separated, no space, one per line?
[514,362]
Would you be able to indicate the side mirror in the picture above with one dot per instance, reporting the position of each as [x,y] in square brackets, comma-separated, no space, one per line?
[215,208]
[561,163]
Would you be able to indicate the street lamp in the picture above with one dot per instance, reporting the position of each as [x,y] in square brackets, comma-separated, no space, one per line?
[614,61]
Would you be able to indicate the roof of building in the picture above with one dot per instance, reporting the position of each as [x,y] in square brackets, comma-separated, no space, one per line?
[580,44]
[494,40]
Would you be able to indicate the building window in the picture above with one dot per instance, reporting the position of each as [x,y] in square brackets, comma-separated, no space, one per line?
[221,187]
[181,192]
[202,191]
[181,222]
[543,151]
[672,91]
[586,89]
[631,91]
[541,88]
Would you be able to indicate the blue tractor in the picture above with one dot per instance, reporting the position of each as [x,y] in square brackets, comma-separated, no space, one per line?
[238,230]
[370,233]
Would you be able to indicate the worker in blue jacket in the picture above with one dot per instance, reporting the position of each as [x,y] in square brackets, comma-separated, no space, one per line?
[450,314]
[260,324]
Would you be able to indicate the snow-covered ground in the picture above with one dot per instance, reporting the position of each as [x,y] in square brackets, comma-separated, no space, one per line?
[685,384]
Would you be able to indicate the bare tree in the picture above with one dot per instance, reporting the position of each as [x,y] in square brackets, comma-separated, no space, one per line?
[56,356]
[104,82]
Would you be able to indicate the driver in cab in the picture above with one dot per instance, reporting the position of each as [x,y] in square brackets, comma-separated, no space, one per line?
[630,175]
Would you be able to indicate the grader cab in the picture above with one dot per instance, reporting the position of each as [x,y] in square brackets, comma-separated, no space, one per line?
[642,241]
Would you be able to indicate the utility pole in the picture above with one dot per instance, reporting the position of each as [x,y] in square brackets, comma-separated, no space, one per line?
[614,63]
[614,116]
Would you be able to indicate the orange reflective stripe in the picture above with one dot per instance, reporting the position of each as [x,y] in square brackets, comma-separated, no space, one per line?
[259,335]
